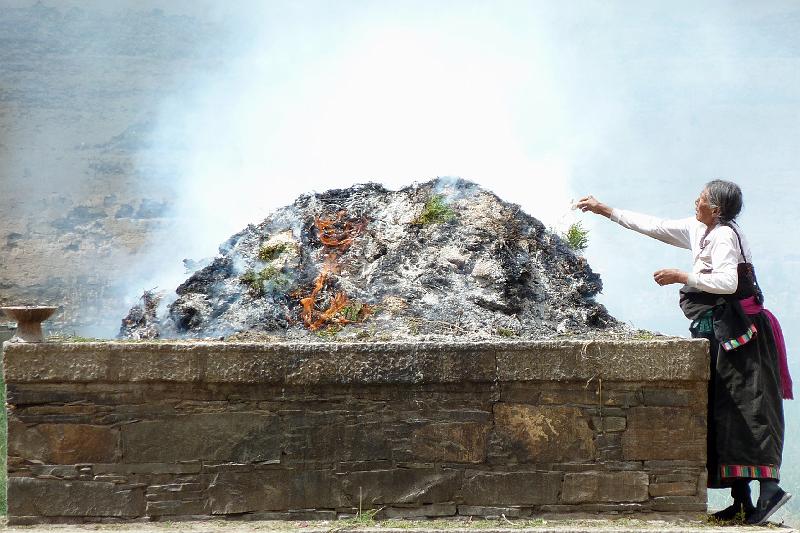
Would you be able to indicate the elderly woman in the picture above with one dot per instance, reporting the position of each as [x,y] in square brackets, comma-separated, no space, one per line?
[749,375]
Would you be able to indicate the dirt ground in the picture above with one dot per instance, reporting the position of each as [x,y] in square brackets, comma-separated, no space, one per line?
[449,526]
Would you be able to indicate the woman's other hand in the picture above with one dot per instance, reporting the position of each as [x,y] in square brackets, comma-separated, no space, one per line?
[590,203]
[668,276]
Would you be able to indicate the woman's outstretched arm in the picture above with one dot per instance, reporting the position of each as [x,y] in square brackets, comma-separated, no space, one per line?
[674,232]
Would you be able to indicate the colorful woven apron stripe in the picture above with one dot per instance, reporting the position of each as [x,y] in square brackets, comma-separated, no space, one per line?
[738,341]
[749,471]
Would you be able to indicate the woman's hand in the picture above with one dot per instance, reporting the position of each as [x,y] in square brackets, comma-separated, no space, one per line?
[668,276]
[590,203]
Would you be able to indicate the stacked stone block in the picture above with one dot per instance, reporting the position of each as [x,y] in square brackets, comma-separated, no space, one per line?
[165,431]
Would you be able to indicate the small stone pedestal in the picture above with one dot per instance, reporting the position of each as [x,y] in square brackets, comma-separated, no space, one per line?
[29,321]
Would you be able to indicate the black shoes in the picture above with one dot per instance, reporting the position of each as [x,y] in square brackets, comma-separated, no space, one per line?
[765,509]
[735,511]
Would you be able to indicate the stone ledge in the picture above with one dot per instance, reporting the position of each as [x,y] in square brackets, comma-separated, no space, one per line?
[358,363]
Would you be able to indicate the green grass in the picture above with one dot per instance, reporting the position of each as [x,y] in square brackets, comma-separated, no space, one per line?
[435,211]
[268,252]
[329,333]
[361,519]
[577,237]
[506,332]
[268,279]
[356,311]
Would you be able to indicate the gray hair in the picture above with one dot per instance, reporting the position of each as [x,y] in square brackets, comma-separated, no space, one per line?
[725,196]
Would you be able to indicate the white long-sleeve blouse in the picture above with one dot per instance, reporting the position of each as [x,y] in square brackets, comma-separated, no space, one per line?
[715,255]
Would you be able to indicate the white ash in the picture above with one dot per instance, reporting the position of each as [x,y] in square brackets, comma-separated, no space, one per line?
[487,270]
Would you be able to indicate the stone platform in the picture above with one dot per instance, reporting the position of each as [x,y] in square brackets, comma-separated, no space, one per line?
[170,431]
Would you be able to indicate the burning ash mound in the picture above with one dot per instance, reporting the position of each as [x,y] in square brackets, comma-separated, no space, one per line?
[443,258]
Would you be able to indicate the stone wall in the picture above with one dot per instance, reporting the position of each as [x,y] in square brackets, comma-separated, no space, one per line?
[161,431]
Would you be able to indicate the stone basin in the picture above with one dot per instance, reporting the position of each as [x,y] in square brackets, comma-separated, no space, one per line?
[29,320]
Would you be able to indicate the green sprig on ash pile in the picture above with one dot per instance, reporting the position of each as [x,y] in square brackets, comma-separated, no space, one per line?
[265,280]
[435,211]
[577,237]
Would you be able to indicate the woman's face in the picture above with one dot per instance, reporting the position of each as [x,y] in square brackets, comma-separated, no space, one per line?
[703,210]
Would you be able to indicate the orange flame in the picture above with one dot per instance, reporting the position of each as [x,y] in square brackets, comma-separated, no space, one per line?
[336,234]
[308,302]
[337,303]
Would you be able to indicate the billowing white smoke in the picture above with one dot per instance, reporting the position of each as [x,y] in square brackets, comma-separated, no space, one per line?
[308,103]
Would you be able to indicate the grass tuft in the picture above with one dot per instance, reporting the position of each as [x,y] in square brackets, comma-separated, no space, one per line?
[268,279]
[364,519]
[268,252]
[356,311]
[435,211]
[577,237]
[329,333]
[506,332]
